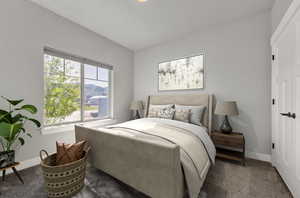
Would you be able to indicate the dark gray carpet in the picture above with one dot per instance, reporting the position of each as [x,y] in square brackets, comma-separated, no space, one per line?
[225,180]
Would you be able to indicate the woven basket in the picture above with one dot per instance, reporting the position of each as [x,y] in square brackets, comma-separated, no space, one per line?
[63,181]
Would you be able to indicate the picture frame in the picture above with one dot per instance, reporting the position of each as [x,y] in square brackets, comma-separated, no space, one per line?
[185,73]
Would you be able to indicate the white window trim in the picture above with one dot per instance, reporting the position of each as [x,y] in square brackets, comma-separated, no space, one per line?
[70,127]
[97,122]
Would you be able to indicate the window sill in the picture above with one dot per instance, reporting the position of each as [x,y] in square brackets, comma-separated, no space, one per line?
[70,127]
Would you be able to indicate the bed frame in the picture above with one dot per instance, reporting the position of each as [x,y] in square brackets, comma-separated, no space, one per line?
[142,164]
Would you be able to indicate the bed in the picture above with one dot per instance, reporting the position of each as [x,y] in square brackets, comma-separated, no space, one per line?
[159,157]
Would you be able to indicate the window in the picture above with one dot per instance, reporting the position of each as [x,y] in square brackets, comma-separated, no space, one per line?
[76,89]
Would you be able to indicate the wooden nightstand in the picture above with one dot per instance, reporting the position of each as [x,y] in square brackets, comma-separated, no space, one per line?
[230,146]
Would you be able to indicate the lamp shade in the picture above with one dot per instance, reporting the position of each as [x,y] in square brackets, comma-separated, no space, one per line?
[227,108]
[136,105]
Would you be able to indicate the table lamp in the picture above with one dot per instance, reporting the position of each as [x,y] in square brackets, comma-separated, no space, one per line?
[228,108]
[136,106]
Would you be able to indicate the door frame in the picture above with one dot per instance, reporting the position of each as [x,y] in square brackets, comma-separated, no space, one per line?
[288,16]
[274,106]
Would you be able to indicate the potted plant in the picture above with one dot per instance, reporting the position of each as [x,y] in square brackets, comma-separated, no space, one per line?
[12,128]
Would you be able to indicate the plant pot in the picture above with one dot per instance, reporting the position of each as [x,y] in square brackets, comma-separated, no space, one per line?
[7,158]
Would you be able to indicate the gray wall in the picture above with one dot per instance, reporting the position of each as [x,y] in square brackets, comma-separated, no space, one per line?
[237,67]
[25,30]
[278,11]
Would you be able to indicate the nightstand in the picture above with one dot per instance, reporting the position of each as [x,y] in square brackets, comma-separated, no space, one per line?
[230,146]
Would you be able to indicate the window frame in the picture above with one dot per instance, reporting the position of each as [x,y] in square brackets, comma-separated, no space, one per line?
[109,116]
[82,61]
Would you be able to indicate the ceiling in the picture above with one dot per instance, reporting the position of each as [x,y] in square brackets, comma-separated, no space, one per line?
[140,25]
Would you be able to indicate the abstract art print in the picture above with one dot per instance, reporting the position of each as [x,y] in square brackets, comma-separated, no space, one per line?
[181,74]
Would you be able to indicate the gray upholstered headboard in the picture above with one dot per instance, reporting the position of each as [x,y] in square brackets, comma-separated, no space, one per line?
[186,99]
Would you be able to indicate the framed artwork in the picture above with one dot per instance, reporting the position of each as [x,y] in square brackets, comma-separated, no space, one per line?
[181,74]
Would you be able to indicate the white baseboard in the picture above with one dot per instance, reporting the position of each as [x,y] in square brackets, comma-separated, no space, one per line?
[253,155]
[26,164]
[259,156]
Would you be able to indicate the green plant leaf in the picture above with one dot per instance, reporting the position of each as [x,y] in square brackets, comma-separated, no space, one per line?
[13,102]
[9,131]
[17,118]
[22,141]
[5,130]
[15,129]
[8,118]
[3,114]
[30,108]
[29,135]
[36,122]
[22,117]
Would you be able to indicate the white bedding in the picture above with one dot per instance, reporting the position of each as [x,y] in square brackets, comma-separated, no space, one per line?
[199,131]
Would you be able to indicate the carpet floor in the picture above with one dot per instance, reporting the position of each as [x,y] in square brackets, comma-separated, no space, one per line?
[224,180]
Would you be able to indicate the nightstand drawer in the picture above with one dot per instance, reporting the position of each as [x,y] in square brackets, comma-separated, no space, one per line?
[230,146]
[235,140]
[230,143]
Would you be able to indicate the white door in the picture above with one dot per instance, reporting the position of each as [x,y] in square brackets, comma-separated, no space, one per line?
[296,109]
[286,112]
[283,146]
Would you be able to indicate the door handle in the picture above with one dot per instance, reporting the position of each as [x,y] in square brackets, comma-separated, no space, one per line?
[286,114]
[293,116]
[289,114]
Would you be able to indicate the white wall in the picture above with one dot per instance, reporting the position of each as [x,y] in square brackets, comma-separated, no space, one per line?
[237,67]
[25,30]
[278,11]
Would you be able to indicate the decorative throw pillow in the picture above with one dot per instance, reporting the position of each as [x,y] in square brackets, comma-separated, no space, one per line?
[196,113]
[155,109]
[153,112]
[182,115]
[67,153]
[166,113]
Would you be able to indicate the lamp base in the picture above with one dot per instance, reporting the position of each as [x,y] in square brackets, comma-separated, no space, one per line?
[225,127]
[137,115]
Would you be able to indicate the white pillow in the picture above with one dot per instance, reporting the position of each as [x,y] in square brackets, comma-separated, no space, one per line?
[166,113]
[155,110]
[196,113]
[182,115]
[161,106]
